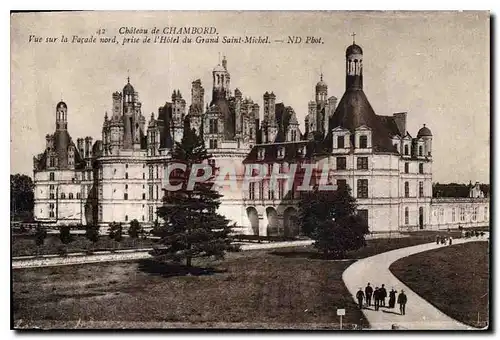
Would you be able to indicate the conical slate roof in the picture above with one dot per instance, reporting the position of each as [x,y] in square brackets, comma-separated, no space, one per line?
[354,110]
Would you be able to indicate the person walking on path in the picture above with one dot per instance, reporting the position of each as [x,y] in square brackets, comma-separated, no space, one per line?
[402,299]
[368,294]
[376,297]
[392,298]
[383,295]
[360,296]
[450,240]
[437,239]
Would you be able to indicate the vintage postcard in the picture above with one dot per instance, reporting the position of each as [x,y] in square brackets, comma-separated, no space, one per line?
[250,170]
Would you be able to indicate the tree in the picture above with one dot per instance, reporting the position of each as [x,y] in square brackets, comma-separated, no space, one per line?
[92,234]
[21,196]
[192,226]
[135,230]
[65,237]
[330,219]
[116,232]
[40,235]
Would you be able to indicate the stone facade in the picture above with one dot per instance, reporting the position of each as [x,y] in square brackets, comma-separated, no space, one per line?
[120,178]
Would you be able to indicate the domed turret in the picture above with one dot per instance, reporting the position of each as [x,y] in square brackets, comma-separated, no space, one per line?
[128,89]
[354,66]
[321,85]
[424,132]
[353,49]
[60,105]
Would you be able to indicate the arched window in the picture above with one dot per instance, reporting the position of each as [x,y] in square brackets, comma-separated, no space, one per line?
[70,195]
[63,195]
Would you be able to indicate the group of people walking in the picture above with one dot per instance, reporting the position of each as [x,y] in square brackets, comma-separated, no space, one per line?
[379,297]
[444,240]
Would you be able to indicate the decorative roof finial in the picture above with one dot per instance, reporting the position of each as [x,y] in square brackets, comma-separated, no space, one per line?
[128,76]
[353,37]
[320,73]
[219,58]
[424,125]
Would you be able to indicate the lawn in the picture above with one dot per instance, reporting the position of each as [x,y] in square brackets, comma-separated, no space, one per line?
[282,288]
[454,279]
[252,288]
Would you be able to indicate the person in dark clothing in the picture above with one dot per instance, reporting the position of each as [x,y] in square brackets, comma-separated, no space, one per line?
[383,295]
[360,296]
[402,299]
[376,297]
[392,298]
[437,239]
[368,294]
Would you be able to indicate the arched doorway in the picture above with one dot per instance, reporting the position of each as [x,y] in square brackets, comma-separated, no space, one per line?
[291,222]
[272,222]
[253,217]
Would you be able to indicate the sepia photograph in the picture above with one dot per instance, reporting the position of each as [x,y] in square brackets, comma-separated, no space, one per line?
[250,170]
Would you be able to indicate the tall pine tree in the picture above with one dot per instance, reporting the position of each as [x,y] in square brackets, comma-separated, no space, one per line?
[192,226]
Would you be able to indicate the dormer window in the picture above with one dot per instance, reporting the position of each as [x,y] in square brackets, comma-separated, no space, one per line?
[281,152]
[420,150]
[262,154]
[407,150]
[363,142]
[340,142]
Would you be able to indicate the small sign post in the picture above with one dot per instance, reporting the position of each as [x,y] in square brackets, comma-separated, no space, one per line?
[340,312]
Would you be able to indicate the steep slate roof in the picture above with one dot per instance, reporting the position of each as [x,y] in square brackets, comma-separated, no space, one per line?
[354,110]
[292,152]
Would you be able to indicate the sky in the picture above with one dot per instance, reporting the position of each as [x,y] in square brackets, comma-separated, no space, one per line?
[433,65]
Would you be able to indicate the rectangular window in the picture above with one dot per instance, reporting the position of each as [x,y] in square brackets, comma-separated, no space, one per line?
[213,143]
[453,214]
[420,189]
[486,213]
[150,191]
[213,128]
[407,189]
[150,172]
[363,142]
[143,195]
[270,192]
[421,168]
[474,214]
[363,213]
[407,167]
[125,196]
[420,150]
[150,213]
[341,163]
[341,183]
[51,176]
[462,214]
[261,190]
[407,216]
[251,190]
[340,142]
[362,163]
[157,196]
[362,188]
[280,189]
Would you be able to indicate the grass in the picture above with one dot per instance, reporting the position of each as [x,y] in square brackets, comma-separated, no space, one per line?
[248,287]
[454,279]
[282,288]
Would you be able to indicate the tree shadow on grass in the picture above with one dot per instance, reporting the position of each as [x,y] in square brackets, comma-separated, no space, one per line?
[164,269]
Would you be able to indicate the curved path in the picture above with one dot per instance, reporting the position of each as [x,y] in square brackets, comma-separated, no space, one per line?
[420,314]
